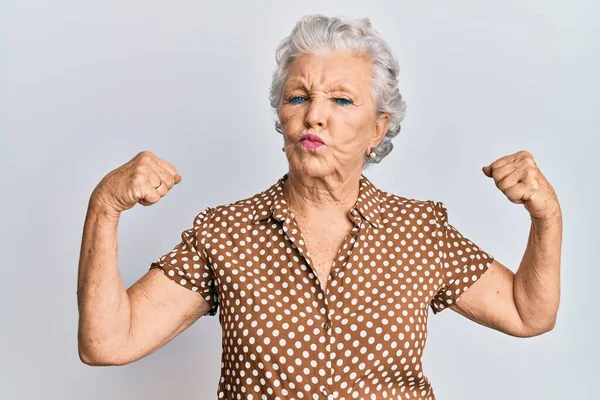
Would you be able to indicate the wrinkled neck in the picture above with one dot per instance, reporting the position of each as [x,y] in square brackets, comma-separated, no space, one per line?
[307,195]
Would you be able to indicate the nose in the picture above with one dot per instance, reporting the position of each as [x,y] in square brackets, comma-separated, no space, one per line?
[317,112]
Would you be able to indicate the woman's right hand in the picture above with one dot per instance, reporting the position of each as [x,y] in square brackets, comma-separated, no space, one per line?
[135,182]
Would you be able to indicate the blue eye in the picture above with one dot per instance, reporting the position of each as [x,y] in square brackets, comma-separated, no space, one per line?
[291,100]
[300,99]
[345,101]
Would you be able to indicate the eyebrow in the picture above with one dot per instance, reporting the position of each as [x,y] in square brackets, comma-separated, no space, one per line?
[337,84]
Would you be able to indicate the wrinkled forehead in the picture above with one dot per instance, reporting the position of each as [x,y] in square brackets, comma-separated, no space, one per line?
[333,71]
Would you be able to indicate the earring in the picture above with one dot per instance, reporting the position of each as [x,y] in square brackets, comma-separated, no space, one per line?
[283,149]
[371,153]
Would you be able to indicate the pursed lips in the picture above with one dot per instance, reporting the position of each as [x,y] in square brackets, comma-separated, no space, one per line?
[312,138]
[311,141]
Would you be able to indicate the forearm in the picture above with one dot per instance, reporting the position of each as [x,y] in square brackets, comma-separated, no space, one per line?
[104,308]
[537,281]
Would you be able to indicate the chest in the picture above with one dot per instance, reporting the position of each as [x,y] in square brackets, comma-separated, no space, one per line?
[260,269]
[323,242]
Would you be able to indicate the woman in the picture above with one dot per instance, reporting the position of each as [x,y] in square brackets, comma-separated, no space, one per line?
[323,280]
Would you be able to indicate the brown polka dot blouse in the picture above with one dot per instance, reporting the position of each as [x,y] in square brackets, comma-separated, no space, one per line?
[283,337]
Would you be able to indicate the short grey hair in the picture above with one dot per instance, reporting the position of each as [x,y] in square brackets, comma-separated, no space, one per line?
[314,34]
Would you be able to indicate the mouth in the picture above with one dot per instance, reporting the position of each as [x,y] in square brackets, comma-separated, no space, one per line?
[311,141]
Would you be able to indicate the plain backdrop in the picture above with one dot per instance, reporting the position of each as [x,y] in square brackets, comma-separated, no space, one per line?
[85,86]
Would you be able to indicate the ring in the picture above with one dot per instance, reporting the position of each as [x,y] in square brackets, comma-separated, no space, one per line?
[156,187]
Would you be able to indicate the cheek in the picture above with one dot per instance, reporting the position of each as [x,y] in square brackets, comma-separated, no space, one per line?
[287,120]
[282,116]
[287,114]
[352,132]
[354,126]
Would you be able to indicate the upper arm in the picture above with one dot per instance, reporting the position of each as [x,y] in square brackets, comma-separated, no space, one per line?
[160,310]
[490,302]
[177,290]
[475,285]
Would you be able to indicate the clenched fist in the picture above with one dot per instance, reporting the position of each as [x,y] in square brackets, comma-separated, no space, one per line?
[145,179]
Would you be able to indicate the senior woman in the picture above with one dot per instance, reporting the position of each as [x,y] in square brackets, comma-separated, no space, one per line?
[324,281]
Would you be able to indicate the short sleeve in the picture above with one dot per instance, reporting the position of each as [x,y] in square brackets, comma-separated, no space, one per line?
[462,262]
[187,263]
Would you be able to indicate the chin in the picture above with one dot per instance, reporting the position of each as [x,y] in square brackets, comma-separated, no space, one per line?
[311,166]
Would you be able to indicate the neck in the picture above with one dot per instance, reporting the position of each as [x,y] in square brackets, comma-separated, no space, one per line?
[329,194]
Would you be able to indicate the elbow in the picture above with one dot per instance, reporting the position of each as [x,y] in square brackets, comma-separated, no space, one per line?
[530,331]
[550,326]
[98,351]
[96,359]
[87,358]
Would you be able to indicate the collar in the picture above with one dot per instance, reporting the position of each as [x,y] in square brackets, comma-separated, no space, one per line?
[272,202]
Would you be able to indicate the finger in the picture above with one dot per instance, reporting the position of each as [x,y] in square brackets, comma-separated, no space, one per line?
[511,158]
[518,193]
[502,161]
[170,168]
[151,193]
[510,180]
[165,176]
[504,171]
[162,189]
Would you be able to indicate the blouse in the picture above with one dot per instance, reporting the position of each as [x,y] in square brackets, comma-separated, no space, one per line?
[283,337]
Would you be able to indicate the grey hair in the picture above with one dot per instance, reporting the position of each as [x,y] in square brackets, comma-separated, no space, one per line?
[314,34]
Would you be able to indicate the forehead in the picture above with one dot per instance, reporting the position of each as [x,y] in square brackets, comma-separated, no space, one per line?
[333,70]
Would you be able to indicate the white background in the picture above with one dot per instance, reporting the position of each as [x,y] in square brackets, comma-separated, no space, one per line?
[85,86]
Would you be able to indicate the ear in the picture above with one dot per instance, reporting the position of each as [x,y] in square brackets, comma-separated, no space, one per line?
[382,124]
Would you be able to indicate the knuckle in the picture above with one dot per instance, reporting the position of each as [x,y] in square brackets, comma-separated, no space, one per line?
[139,179]
[146,155]
[151,199]
[140,169]
[525,153]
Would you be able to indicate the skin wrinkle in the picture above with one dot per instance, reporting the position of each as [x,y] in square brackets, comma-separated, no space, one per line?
[530,314]
[323,183]
[338,86]
[326,178]
[140,291]
[321,188]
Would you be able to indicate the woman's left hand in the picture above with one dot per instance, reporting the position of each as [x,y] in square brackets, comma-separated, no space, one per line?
[519,178]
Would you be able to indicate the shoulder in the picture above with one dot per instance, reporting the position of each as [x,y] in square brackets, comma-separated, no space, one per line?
[235,212]
[394,203]
[405,211]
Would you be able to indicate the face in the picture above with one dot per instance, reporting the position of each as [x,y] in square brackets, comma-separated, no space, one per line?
[329,95]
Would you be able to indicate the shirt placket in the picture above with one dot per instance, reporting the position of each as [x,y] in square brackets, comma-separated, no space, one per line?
[292,231]
[339,263]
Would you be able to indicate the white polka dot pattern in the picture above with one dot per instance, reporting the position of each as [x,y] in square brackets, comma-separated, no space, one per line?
[462,261]
[363,338]
[187,266]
